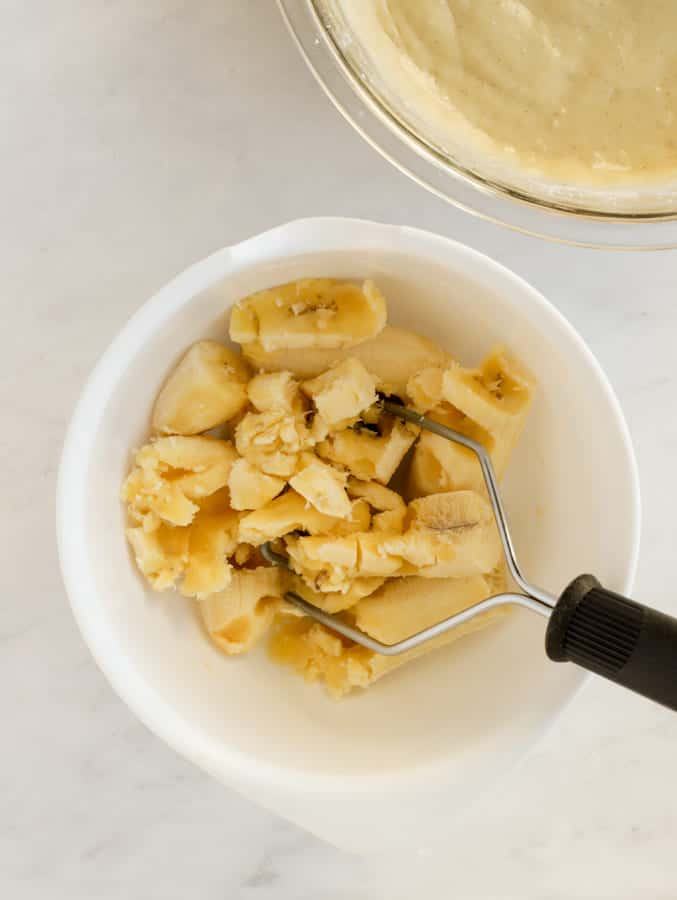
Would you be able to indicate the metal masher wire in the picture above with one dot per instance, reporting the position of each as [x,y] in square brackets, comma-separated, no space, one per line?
[534,598]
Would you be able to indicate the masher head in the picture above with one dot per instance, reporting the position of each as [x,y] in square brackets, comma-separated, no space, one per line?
[532,597]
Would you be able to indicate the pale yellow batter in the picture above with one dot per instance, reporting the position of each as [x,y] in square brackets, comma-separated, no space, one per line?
[575,90]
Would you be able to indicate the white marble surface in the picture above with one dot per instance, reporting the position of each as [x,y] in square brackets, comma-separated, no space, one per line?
[137,138]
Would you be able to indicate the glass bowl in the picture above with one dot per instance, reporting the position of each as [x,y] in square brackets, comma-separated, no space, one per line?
[647,223]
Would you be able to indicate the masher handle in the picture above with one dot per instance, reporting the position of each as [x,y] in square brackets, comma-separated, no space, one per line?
[624,641]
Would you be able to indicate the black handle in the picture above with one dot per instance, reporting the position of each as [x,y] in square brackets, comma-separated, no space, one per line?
[628,643]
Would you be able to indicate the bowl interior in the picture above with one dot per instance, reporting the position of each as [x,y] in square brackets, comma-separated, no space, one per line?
[632,219]
[450,141]
[570,494]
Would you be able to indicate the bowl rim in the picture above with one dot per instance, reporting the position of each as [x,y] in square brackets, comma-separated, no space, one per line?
[465,189]
[226,763]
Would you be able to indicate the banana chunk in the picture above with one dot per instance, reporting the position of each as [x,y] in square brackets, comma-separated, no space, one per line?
[161,555]
[274,390]
[239,616]
[425,388]
[316,312]
[497,396]
[398,609]
[393,357]
[332,563]
[342,393]
[450,535]
[377,495]
[391,521]
[369,456]
[291,512]
[197,553]
[250,488]
[490,405]
[324,487]
[439,465]
[212,539]
[206,389]
[274,440]
[333,601]
[172,474]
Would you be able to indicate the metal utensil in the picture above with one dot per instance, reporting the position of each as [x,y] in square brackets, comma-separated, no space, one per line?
[595,628]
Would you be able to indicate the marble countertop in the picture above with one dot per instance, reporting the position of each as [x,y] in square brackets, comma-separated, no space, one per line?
[137,138]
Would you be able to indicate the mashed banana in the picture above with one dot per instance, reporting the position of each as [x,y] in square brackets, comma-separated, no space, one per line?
[581,91]
[312,463]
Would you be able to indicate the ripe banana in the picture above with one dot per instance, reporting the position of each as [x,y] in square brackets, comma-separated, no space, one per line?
[206,389]
[273,440]
[377,495]
[317,312]
[161,555]
[393,356]
[324,487]
[250,488]
[390,520]
[173,473]
[450,535]
[238,616]
[490,404]
[369,456]
[291,512]
[275,390]
[212,539]
[342,393]
[332,601]
[399,608]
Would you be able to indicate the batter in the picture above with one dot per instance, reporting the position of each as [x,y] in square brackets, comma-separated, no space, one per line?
[576,90]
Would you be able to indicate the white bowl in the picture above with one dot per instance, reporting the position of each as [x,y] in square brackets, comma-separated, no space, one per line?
[399,760]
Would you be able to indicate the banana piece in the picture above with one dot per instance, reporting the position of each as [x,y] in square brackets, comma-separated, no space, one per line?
[250,488]
[425,387]
[275,390]
[342,393]
[197,552]
[497,396]
[172,474]
[332,563]
[370,456]
[450,535]
[406,606]
[393,356]
[242,555]
[237,617]
[377,495]
[399,608]
[315,312]
[161,555]
[490,405]
[390,521]
[212,539]
[440,465]
[274,440]
[332,601]
[291,512]
[359,520]
[206,389]
[324,487]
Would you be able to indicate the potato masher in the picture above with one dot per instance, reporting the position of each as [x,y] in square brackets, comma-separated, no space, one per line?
[595,628]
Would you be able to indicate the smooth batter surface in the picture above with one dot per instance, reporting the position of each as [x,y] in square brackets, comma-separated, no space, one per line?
[579,90]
